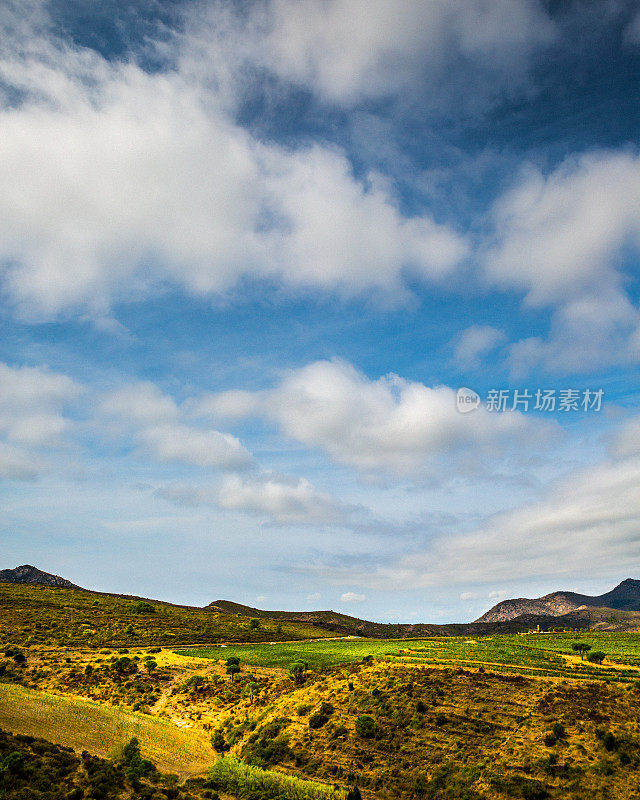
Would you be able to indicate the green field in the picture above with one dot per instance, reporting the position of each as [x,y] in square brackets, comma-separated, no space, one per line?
[97,728]
[542,655]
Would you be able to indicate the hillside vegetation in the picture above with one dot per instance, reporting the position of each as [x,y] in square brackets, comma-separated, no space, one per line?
[32,615]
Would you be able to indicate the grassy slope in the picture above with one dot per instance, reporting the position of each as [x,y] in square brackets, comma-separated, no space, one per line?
[97,728]
[55,616]
[447,733]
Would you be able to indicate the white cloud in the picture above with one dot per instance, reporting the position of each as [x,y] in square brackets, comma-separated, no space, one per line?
[153,420]
[386,424]
[352,597]
[281,498]
[33,406]
[142,403]
[587,520]
[497,594]
[349,50]
[563,240]
[33,402]
[118,183]
[18,464]
[563,235]
[468,596]
[201,448]
[475,342]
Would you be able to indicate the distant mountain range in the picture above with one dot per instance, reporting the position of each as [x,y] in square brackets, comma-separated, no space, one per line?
[625,597]
[617,610]
[29,574]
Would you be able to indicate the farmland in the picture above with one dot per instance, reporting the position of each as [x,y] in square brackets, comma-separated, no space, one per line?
[549,655]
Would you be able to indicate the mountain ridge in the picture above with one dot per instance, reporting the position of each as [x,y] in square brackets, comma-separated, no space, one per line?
[623,597]
[618,609]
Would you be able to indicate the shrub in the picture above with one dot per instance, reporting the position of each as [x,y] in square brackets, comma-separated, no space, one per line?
[303,708]
[558,730]
[254,624]
[549,740]
[124,666]
[420,707]
[441,719]
[365,726]
[609,741]
[326,709]
[317,720]
[218,741]
[142,607]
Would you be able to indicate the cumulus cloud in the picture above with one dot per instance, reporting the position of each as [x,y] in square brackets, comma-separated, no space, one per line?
[281,498]
[33,403]
[564,234]
[122,183]
[153,420]
[475,342]
[349,50]
[385,424]
[564,240]
[352,597]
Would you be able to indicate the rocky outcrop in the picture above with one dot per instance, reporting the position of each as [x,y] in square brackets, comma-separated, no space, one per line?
[29,574]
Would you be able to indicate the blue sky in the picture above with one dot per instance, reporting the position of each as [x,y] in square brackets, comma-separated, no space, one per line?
[250,252]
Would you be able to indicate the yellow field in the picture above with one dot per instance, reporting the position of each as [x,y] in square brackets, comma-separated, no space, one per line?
[84,725]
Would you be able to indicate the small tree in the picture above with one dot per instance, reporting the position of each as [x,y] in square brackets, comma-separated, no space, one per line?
[297,670]
[596,657]
[581,647]
[233,670]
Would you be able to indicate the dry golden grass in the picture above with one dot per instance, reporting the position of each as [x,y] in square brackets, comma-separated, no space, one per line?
[97,728]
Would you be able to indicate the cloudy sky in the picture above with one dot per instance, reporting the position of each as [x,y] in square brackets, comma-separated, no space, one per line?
[250,252]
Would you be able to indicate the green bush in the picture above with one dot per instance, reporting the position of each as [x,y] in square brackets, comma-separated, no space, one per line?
[317,720]
[303,709]
[365,726]
[142,607]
